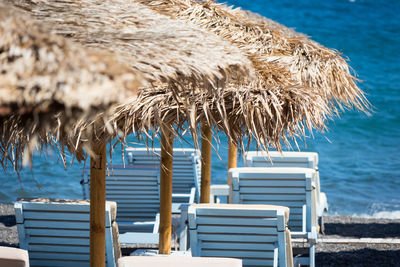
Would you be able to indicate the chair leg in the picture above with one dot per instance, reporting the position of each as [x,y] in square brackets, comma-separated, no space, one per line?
[312,255]
[322,226]
[183,231]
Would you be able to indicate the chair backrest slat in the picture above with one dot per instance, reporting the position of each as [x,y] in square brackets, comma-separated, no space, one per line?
[281,159]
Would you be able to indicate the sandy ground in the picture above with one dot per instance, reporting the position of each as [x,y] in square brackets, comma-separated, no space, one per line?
[8,228]
[338,227]
[344,227]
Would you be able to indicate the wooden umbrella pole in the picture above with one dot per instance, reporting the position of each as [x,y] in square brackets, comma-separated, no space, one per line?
[205,163]
[98,206]
[167,142]
[232,156]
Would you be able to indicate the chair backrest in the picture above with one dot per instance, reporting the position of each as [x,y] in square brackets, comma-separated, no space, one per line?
[186,167]
[13,257]
[254,233]
[135,190]
[289,159]
[281,159]
[56,232]
[289,187]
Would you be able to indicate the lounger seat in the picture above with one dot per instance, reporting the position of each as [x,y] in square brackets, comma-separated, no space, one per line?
[171,261]
[13,257]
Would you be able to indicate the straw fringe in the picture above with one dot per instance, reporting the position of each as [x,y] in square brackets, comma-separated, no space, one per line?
[289,68]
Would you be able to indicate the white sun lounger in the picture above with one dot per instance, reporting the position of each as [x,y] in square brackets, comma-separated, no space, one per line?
[177,261]
[186,170]
[290,159]
[56,232]
[289,187]
[137,194]
[13,257]
[257,234]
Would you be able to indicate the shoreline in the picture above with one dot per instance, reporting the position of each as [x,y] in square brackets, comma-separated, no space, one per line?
[340,231]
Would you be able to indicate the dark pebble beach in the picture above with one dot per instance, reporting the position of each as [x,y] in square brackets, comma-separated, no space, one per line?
[383,248]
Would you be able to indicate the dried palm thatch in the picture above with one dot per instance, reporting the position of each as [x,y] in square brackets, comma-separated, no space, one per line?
[299,84]
[161,48]
[157,49]
[42,75]
[45,72]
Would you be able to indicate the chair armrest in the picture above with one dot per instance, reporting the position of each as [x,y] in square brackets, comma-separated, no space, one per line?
[183,228]
[192,195]
[312,237]
[146,226]
[176,206]
[218,190]
[156,224]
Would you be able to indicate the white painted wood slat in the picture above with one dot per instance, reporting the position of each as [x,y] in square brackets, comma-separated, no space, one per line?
[58,263]
[236,238]
[236,230]
[60,248]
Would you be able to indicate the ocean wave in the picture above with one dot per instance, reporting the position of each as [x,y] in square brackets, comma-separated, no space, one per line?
[380,215]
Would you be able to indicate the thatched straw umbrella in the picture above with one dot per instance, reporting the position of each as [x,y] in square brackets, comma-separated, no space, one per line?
[44,75]
[167,53]
[47,84]
[299,83]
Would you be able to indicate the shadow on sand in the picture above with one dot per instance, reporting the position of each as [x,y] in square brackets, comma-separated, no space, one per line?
[7,220]
[360,230]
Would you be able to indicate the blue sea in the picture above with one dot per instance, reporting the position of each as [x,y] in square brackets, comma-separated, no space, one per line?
[359,155]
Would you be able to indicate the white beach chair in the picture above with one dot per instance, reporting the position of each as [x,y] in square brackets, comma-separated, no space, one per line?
[186,170]
[56,232]
[137,194]
[290,159]
[13,257]
[290,187]
[177,261]
[257,234]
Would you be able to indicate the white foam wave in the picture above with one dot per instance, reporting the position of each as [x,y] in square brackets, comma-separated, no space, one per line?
[380,215]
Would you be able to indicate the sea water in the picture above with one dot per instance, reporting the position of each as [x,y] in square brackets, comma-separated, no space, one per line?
[359,156]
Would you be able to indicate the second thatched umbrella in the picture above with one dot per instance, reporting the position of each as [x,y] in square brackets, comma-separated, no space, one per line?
[299,82]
